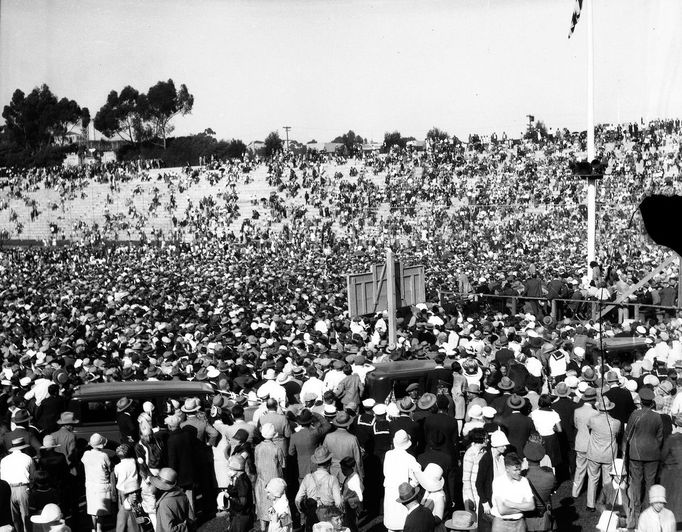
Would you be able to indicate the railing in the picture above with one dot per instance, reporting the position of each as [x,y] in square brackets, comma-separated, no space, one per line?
[594,305]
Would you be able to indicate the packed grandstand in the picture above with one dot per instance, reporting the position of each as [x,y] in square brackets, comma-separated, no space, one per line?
[234,274]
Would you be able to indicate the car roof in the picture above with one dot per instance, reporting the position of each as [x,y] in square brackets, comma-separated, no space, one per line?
[402,369]
[624,343]
[139,389]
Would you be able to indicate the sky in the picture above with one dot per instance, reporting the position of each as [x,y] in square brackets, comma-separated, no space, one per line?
[326,66]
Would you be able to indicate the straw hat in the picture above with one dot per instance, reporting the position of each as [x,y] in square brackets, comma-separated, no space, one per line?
[49,442]
[461,520]
[67,418]
[321,456]
[166,479]
[123,404]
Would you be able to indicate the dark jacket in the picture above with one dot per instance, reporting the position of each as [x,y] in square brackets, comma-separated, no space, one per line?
[48,413]
[624,404]
[172,511]
[181,456]
[420,520]
[484,478]
[128,427]
[444,424]
[518,428]
[5,505]
[565,407]
[644,435]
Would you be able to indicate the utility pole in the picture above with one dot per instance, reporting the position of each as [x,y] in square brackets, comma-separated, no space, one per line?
[287,128]
[591,152]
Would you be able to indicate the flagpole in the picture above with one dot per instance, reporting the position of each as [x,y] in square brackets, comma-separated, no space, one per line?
[591,182]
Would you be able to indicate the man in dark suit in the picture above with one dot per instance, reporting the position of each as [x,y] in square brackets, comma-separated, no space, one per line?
[517,425]
[314,428]
[419,518]
[436,374]
[21,419]
[565,407]
[642,446]
[620,397]
[443,423]
[405,422]
[127,426]
[47,414]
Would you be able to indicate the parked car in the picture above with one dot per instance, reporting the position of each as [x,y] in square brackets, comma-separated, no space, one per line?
[95,404]
[395,377]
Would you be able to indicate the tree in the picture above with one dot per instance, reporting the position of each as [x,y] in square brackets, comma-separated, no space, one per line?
[537,130]
[36,120]
[350,140]
[273,144]
[85,122]
[437,135]
[164,102]
[393,139]
[124,115]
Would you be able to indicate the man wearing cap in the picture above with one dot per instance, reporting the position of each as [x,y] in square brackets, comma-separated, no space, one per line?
[642,447]
[581,417]
[602,447]
[172,505]
[342,443]
[304,441]
[18,469]
[319,488]
[239,495]
[511,496]
[657,518]
[66,439]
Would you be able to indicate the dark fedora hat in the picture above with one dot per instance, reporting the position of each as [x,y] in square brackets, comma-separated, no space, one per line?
[406,493]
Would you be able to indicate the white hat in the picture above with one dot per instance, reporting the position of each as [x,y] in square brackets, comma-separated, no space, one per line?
[369,402]
[631,385]
[475,411]
[572,381]
[498,439]
[379,409]
[582,386]
[488,412]
[401,440]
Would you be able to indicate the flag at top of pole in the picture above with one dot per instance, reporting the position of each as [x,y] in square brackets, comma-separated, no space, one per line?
[576,15]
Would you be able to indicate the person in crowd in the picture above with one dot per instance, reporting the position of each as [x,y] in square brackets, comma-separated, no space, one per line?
[18,470]
[400,466]
[490,466]
[172,506]
[270,462]
[657,517]
[98,490]
[432,482]
[671,468]
[341,444]
[602,448]
[542,483]
[50,519]
[418,518]
[239,495]
[127,478]
[319,488]
[352,491]
[581,417]
[642,445]
[511,496]
[279,514]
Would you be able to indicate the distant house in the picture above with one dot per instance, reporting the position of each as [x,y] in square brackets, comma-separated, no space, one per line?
[255,146]
[418,145]
[371,147]
[332,147]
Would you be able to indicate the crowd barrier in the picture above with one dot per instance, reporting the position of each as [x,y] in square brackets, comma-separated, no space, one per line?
[589,308]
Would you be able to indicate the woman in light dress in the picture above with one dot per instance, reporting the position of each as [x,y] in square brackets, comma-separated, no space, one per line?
[399,466]
[98,489]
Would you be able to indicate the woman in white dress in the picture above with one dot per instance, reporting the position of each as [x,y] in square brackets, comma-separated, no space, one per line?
[399,466]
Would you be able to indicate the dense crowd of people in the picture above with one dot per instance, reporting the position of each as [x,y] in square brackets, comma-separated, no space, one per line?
[516,400]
